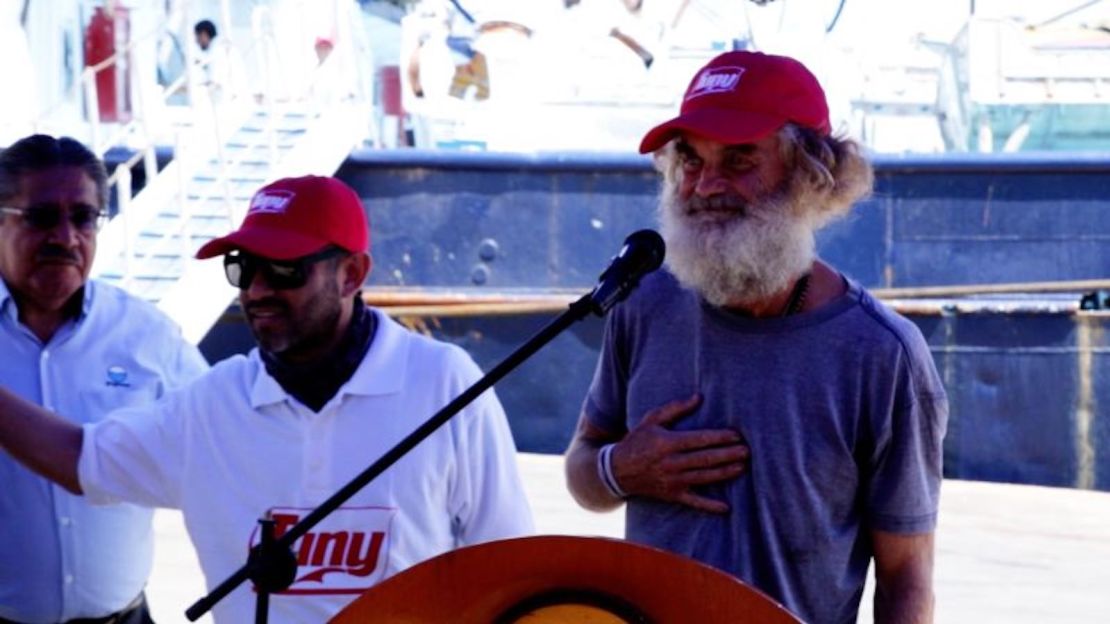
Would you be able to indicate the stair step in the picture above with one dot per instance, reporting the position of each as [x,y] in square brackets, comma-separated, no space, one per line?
[287,125]
[262,122]
[255,132]
[207,225]
[212,208]
[147,245]
[210,189]
[114,278]
[151,289]
[250,135]
[256,169]
[147,267]
[282,111]
[235,167]
[162,250]
[204,211]
[256,152]
[243,180]
[257,141]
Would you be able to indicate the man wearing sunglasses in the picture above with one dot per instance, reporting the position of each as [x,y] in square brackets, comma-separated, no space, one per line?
[82,348]
[332,386]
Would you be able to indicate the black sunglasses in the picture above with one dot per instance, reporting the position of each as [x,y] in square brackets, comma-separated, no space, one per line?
[240,269]
[46,218]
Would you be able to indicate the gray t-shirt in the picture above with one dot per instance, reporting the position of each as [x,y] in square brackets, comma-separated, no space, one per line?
[843,411]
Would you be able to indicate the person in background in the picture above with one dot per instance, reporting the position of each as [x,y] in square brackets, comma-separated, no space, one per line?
[214,62]
[332,386]
[83,348]
[204,31]
[753,407]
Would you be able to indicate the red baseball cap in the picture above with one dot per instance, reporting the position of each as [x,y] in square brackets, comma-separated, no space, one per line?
[740,97]
[295,217]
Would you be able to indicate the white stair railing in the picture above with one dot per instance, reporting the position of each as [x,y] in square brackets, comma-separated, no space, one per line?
[328,120]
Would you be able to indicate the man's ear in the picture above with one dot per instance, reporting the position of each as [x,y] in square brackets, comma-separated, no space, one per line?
[354,269]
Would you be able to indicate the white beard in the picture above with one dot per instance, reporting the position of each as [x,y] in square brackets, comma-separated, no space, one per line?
[742,257]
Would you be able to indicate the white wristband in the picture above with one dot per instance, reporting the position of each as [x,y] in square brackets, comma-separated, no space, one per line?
[605,471]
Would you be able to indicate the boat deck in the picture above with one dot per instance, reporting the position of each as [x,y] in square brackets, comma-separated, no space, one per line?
[1005,553]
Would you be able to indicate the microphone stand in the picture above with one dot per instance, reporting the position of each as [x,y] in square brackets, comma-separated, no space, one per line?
[273,566]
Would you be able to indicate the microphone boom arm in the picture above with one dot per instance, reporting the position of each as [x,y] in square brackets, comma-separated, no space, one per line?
[641,254]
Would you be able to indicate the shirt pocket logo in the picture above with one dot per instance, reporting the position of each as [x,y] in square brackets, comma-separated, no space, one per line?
[117,377]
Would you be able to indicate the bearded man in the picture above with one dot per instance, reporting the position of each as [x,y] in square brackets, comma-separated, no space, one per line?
[753,407]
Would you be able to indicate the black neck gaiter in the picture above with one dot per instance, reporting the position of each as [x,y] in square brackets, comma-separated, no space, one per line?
[315,383]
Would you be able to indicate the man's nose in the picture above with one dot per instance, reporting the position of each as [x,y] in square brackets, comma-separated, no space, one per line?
[258,287]
[64,233]
[710,182]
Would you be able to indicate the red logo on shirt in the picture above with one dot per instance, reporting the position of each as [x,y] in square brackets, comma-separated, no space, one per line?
[346,553]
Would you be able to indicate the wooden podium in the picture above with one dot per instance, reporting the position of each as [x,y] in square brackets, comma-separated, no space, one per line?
[550,579]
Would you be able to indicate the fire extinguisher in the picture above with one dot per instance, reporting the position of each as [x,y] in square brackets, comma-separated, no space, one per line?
[109,31]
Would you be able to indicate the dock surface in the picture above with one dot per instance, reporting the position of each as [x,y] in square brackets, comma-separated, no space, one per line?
[1005,553]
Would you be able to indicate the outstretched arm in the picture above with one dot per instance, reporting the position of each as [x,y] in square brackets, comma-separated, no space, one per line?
[654,461]
[43,441]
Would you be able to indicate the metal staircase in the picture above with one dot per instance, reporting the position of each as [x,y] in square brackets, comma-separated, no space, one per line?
[150,251]
[223,153]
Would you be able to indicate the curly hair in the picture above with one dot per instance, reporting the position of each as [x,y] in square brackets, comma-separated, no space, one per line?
[831,170]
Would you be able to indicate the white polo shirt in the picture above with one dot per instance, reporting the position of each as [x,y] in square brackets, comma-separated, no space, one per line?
[63,558]
[234,445]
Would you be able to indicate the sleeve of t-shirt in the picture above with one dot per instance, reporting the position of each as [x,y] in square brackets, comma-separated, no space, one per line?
[906,466]
[605,401]
[487,499]
[135,455]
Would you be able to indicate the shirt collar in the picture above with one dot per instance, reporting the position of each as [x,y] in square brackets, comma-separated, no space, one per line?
[4,294]
[381,371]
[7,301]
[7,304]
[86,299]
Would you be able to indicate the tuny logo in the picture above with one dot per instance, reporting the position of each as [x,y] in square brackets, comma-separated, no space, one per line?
[117,377]
[716,80]
[345,554]
[272,201]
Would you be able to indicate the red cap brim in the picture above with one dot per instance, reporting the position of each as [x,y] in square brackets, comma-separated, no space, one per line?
[272,243]
[726,126]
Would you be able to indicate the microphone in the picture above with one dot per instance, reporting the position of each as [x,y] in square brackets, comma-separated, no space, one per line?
[642,253]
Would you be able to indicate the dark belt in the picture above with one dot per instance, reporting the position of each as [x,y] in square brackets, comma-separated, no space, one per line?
[139,603]
[112,618]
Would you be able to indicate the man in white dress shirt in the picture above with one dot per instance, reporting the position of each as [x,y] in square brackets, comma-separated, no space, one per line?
[82,348]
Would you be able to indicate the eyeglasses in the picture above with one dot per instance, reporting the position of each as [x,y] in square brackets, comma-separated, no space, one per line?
[240,269]
[46,218]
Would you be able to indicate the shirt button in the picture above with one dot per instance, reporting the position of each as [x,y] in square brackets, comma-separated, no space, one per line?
[65,521]
[69,579]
